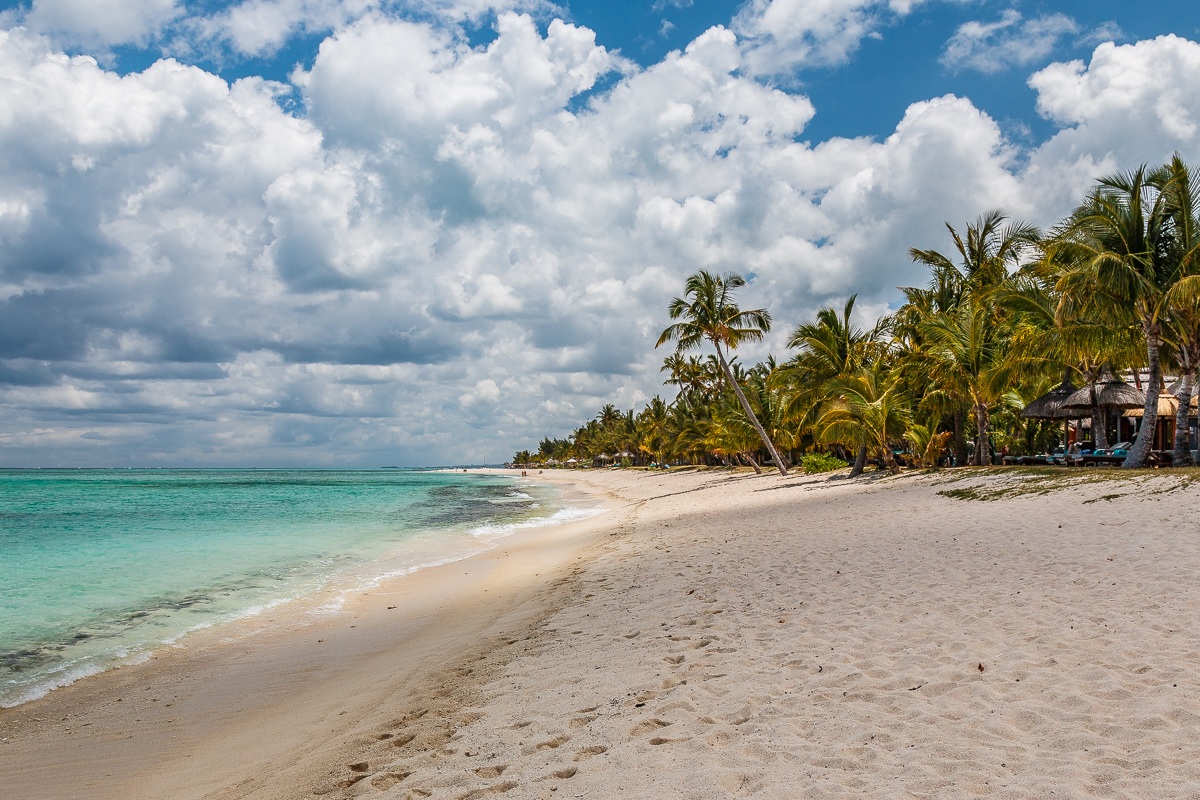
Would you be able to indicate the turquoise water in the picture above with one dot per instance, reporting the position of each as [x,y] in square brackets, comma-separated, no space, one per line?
[99,567]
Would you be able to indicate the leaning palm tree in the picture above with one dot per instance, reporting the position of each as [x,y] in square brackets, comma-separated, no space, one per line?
[1123,234]
[1182,187]
[707,312]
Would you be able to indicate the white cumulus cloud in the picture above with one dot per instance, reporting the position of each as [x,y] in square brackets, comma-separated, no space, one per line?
[102,23]
[451,251]
[1130,104]
[1011,41]
[782,35]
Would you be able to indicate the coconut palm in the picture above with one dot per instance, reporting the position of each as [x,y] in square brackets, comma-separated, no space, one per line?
[867,408]
[985,256]
[707,312]
[926,443]
[1181,185]
[653,430]
[1122,238]
[830,346]
[1057,335]
[967,353]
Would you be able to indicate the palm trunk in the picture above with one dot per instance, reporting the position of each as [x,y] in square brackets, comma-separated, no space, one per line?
[960,437]
[749,459]
[1182,454]
[981,438]
[889,460]
[750,413]
[1099,423]
[1145,438]
[860,462]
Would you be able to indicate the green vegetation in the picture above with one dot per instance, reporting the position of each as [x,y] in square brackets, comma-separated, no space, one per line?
[1008,313]
[814,463]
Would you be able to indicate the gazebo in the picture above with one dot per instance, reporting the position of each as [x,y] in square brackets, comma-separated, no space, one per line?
[1110,394]
[1050,406]
[1164,432]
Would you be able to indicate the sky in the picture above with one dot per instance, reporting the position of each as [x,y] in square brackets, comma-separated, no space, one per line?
[363,233]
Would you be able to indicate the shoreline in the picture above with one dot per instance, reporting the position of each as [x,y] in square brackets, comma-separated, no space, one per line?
[296,603]
[949,635]
[184,699]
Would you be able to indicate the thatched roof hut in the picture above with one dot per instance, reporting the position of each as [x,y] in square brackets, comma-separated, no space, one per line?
[1168,404]
[1111,392]
[1050,405]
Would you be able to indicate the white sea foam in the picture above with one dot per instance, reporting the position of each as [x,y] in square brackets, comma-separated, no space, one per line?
[562,516]
[336,604]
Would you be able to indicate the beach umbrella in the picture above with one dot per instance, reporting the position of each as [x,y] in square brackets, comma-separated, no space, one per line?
[604,457]
[1050,405]
[624,454]
[572,461]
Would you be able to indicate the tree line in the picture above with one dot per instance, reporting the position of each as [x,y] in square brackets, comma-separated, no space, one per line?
[1009,313]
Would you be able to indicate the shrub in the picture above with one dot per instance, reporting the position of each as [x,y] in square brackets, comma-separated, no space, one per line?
[821,462]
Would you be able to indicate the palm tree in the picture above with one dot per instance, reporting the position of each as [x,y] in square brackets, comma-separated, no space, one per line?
[829,347]
[1059,335]
[1182,187]
[968,353]
[652,426]
[960,312]
[867,409]
[1122,235]
[708,313]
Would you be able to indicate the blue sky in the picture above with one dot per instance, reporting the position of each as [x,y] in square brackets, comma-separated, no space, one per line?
[365,232]
[862,96]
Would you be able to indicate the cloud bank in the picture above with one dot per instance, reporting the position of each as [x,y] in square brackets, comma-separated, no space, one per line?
[453,250]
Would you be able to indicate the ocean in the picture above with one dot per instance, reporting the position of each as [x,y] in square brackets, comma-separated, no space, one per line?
[102,567]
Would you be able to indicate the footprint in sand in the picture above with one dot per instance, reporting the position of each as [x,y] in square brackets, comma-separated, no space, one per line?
[579,722]
[491,772]
[673,659]
[498,788]
[400,741]
[565,772]
[658,740]
[647,726]
[389,779]
[590,752]
[552,744]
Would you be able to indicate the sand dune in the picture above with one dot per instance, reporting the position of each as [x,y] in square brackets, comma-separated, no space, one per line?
[957,635]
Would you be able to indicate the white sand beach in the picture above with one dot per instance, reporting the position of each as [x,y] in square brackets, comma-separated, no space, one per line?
[712,635]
